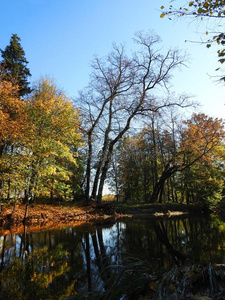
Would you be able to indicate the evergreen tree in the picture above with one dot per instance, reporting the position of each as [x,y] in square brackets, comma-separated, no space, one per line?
[14,65]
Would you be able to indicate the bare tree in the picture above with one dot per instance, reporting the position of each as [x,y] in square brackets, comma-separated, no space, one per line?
[120,90]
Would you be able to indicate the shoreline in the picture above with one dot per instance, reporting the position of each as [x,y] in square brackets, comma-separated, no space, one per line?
[47,216]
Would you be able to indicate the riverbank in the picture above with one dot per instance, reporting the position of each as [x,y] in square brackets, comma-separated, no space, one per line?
[48,216]
[66,212]
[42,216]
[169,209]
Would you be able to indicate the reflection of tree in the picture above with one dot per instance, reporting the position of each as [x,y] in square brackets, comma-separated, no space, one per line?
[88,261]
[163,237]
[102,259]
[168,241]
[54,264]
[60,263]
[40,271]
[3,238]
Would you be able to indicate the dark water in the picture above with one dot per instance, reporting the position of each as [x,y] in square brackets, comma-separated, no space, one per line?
[60,264]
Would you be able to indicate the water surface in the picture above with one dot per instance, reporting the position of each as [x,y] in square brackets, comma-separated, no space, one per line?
[63,263]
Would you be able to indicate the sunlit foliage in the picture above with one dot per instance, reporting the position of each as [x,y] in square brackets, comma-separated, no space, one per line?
[39,141]
[184,165]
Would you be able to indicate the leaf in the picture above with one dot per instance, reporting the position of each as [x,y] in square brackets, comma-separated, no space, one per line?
[201,11]
[153,286]
[222,60]
[162,15]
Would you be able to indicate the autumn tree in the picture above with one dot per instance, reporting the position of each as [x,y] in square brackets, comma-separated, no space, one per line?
[201,144]
[204,9]
[39,142]
[170,162]
[199,140]
[13,130]
[14,65]
[121,89]
[53,144]
[11,114]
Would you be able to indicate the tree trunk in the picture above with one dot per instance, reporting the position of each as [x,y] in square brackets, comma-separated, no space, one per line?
[104,150]
[159,186]
[2,146]
[154,151]
[26,212]
[88,169]
[104,173]
[14,209]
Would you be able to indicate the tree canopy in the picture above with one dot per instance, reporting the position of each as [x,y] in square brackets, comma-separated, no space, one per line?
[14,65]
[39,141]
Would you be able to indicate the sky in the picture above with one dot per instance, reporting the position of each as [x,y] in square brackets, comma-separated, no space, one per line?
[61,37]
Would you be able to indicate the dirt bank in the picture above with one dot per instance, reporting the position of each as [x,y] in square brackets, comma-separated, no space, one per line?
[42,216]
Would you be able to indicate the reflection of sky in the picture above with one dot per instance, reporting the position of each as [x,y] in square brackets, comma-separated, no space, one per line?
[187,237]
[110,235]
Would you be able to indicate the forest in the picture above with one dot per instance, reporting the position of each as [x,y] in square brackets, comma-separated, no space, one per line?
[119,192]
[127,131]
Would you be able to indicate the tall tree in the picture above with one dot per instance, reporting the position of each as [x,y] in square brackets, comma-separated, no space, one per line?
[38,142]
[52,147]
[14,65]
[122,88]
[13,131]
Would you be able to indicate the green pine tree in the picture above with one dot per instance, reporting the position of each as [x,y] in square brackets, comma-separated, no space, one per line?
[14,65]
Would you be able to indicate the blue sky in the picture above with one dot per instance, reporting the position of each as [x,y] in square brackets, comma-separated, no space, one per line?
[61,37]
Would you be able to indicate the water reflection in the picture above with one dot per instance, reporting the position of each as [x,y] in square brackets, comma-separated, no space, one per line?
[64,263]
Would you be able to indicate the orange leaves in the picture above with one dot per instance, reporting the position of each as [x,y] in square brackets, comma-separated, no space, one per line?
[40,136]
[201,135]
[12,113]
[207,8]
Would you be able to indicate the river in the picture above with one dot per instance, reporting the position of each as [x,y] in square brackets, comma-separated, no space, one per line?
[70,262]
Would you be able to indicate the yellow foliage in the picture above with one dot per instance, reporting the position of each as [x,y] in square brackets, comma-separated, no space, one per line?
[110,197]
[41,134]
